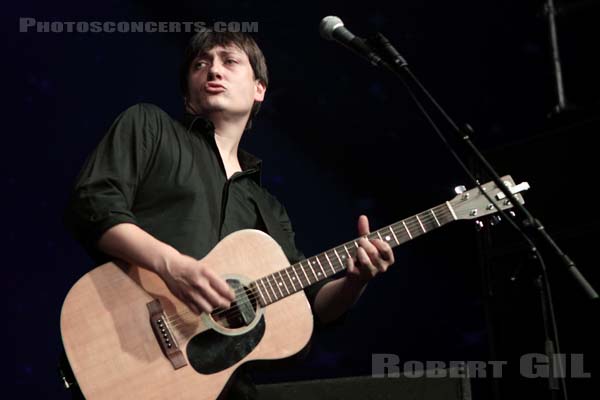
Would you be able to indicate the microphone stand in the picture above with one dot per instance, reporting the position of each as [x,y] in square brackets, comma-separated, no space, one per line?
[399,67]
[550,11]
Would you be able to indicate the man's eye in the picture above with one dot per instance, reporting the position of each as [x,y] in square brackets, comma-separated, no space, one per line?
[200,64]
[231,61]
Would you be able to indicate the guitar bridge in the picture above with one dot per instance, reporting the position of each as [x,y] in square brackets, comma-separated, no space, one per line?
[165,338]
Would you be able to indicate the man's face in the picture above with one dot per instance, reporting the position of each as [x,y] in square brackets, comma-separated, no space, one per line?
[222,81]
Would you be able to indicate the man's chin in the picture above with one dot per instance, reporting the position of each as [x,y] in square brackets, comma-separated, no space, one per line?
[211,107]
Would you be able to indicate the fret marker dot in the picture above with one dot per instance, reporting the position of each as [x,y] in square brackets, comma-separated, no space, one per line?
[318,273]
[279,283]
[387,238]
[314,262]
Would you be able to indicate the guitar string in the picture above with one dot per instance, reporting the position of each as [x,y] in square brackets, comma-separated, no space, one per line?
[428,219]
[177,319]
[282,278]
[254,294]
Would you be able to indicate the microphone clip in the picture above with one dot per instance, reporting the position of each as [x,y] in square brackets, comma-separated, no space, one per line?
[387,51]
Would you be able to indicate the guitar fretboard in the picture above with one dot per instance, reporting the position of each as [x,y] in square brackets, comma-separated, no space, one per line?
[309,271]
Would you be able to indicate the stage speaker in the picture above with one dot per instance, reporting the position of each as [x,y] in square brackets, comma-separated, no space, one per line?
[367,387]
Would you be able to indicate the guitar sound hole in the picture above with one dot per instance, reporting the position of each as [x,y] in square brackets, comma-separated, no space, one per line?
[242,311]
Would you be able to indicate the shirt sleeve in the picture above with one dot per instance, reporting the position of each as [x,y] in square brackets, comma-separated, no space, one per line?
[105,189]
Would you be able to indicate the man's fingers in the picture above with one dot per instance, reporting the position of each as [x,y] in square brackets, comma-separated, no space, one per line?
[205,290]
[220,285]
[350,267]
[385,251]
[198,304]
[379,253]
[369,248]
[365,262]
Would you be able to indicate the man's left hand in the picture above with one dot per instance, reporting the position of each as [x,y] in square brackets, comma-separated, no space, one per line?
[372,256]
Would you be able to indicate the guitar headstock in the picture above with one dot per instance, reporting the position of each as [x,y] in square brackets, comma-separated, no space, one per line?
[471,204]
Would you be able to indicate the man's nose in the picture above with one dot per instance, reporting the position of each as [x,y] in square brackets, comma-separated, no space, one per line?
[215,71]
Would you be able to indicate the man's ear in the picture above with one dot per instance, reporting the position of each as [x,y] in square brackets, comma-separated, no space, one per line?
[261,89]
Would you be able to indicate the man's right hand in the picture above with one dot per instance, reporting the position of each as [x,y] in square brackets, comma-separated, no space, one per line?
[195,284]
[192,281]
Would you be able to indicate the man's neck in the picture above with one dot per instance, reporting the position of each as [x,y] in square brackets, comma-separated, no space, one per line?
[228,134]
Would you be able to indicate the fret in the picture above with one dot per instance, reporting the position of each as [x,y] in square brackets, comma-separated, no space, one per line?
[420,223]
[395,238]
[272,289]
[285,285]
[262,297]
[338,257]
[266,291]
[297,277]
[380,238]
[295,280]
[313,271]
[347,252]
[320,266]
[444,214]
[436,220]
[331,265]
[270,286]
[278,284]
[289,281]
[307,280]
[406,228]
[429,222]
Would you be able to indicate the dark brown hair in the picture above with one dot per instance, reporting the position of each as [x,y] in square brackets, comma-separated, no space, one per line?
[202,42]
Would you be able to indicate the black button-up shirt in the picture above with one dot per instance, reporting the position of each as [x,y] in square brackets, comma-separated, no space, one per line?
[167,177]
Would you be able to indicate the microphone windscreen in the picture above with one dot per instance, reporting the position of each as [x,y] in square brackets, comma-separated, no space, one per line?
[328,25]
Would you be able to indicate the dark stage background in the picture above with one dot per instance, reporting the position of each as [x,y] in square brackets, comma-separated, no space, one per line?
[338,138]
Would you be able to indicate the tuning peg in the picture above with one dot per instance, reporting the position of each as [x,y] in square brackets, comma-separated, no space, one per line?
[478,225]
[495,220]
[460,189]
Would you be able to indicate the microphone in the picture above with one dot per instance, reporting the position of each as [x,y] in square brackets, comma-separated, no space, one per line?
[332,28]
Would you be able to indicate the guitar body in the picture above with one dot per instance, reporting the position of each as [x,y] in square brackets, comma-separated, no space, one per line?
[115,353]
[126,336]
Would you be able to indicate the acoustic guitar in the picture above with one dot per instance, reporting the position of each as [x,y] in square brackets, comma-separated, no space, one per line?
[126,336]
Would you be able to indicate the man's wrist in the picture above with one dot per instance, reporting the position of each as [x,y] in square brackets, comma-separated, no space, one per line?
[166,259]
[355,283]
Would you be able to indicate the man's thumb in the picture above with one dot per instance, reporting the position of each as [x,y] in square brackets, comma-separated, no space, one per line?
[363,225]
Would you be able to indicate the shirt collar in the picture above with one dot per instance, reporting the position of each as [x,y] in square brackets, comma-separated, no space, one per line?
[197,123]
[204,126]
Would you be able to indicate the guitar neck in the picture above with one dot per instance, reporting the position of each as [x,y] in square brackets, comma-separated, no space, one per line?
[309,271]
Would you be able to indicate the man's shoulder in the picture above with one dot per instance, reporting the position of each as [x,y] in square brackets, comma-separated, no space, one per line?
[145,110]
[146,119]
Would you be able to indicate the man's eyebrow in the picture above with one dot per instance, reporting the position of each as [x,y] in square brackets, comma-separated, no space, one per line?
[232,52]
[224,52]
